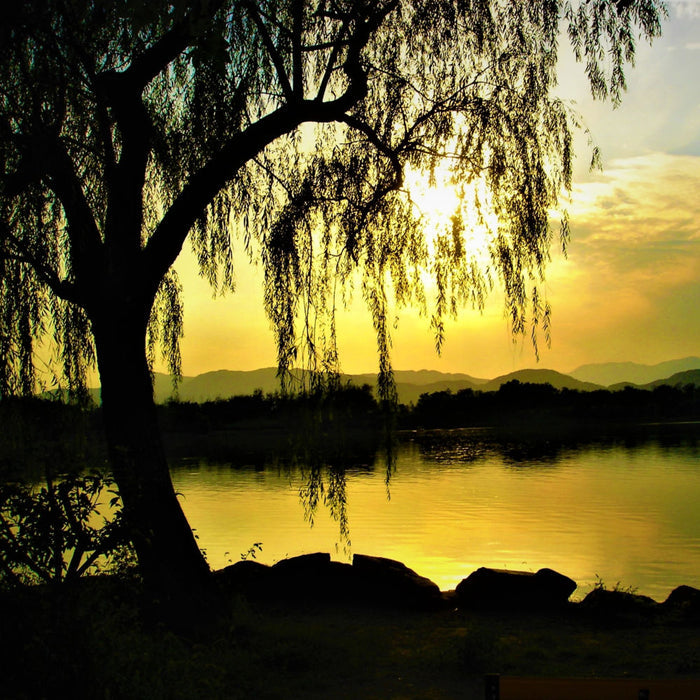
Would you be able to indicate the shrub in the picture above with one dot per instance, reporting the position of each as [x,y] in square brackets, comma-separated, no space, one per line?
[61,530]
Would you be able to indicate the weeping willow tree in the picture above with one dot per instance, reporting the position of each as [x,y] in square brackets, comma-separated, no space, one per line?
[128,128]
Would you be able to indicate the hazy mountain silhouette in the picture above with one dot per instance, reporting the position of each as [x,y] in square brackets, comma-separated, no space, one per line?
[225,383]
[411,384]
[422,377]
[691,376]
[540,376]
[220,384]
[615,373]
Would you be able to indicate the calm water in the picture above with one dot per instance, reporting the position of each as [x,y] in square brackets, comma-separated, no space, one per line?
[623,511]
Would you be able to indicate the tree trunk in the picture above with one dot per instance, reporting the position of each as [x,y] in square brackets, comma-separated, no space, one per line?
[171,563]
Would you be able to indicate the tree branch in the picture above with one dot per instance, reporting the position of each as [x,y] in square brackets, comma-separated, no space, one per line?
[373,138]
[83,233]
[297,64]
[391,184]
[166,242]
[62,288]
[352,66]
[330,66]
[272,50]
[122,92]
[152,61]
[45,158]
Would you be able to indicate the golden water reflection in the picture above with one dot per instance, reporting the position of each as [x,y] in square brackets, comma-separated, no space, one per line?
[627,514]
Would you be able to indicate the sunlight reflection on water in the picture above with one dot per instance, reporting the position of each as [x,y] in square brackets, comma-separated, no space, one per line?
[626,513]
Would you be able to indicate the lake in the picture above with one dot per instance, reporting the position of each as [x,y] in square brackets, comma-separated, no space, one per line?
[618,508]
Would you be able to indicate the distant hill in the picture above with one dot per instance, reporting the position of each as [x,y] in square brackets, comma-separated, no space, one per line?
[411,384]
[225,383]
[421,377]
[619,373]
[410,393]
[691,376]
[540,376]
[221,384]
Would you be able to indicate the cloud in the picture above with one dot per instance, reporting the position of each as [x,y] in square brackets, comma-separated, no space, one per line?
[632,280]
[684,8]
[628,290]
[654,193]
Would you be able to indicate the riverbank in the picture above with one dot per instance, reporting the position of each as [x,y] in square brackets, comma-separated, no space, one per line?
[93,640]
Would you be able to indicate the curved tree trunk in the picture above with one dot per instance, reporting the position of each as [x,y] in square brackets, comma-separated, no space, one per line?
[170,560]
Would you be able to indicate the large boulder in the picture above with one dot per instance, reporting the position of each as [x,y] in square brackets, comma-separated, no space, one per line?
[248,577]
[684,603]
[304,565]
[312,577]
[499,588]
[382,581]
[306,578]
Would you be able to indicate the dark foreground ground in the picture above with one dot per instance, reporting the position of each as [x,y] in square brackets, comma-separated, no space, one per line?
[93,642]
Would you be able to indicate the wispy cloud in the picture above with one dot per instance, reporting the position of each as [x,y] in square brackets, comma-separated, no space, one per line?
[641,212]
[634,265]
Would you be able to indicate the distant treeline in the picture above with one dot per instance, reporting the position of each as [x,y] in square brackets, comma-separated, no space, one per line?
[514,402]
[517,402]
[47,434]
[39,435]
[26,420]
[345,405]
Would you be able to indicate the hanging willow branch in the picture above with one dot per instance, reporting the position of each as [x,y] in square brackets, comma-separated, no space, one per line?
[128,128]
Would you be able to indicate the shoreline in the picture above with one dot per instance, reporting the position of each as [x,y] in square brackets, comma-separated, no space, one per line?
[384,582]
[95,638]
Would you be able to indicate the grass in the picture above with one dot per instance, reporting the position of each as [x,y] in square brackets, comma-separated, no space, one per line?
[91,640]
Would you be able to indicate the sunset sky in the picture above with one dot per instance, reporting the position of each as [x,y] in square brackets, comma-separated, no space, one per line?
[630,288]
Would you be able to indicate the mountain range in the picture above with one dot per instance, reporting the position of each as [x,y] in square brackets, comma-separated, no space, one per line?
[613,373]
[411,384]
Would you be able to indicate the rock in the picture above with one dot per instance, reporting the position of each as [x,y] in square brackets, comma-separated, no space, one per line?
[488,588]
[556,586]
[304,564]
[384,581]
[618,604]
[684,601]
[309,577]
[247,577]
[313,577]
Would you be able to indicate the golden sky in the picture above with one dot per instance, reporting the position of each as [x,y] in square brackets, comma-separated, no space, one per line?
[629,289]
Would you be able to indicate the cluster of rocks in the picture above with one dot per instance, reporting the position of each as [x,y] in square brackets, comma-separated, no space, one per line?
[682,605]
[314,577]
[389,583]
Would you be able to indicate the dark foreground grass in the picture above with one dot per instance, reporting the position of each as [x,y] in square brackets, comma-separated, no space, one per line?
[92,641]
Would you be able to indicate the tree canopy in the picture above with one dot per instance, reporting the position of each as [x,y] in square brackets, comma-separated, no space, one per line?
[127,127]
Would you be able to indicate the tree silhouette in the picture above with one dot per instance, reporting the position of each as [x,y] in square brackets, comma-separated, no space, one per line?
[129,127]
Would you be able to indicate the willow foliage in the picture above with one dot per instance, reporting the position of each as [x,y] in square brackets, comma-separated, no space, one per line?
[127,127]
